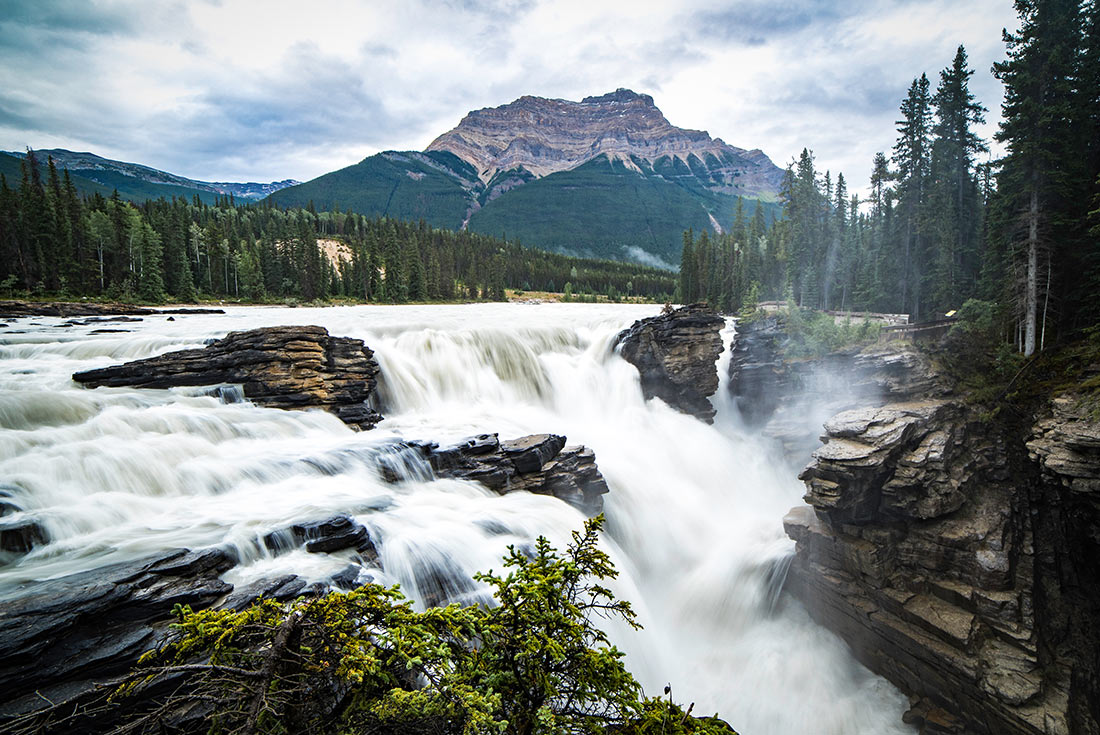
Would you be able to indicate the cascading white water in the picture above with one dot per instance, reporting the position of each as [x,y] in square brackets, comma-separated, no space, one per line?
[694,513]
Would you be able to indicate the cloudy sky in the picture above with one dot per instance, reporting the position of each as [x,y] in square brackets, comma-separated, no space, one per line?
[236,90]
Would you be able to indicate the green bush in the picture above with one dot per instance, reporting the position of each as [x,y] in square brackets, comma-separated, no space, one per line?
[815,334]
[366,662]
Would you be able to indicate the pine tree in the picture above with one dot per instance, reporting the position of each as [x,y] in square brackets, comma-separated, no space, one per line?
[150,276]
[688,270]
[912,153]
[1038,76]
[954,209]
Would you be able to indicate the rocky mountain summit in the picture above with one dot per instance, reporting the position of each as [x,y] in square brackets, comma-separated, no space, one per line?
[543,136]
[605,177]
[955,555]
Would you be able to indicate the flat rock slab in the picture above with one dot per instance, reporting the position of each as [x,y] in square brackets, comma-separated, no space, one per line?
[539,463]
[17,309]
[278,367]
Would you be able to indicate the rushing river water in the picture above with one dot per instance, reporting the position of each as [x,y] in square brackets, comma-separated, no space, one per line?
[694,513]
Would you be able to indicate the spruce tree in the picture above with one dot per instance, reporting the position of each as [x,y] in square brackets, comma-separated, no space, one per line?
[1034,180]
[912,153]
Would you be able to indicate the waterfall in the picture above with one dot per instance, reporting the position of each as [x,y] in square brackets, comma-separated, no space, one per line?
[693,516]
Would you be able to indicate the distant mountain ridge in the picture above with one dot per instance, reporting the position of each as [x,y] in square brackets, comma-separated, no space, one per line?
[544,136]
[122,175]
[608,176]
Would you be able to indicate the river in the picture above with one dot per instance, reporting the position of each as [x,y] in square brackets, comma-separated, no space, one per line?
[693,516]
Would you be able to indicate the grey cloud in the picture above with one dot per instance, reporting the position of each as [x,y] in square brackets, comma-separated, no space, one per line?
[314,103]
[753,22]
[69,15]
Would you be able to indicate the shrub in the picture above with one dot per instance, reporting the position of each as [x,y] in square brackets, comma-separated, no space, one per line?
[366,662]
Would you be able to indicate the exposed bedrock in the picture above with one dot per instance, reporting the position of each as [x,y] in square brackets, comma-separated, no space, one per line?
[17,309]
[675,354]
[788,400]
[279,367]
[957,566]
[539,463]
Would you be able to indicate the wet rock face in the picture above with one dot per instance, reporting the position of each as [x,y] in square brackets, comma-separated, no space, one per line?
[1065,444]
[675,354]
[960,563]
[539,463]
[62,636]
[914,549]
[788,400]
[279,367]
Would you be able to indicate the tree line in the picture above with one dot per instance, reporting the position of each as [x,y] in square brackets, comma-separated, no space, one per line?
[941,228]
[55,242]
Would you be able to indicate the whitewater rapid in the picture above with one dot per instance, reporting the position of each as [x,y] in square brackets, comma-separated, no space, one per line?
[693,515]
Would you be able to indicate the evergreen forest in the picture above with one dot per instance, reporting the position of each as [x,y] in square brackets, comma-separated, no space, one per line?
[1016,240]
[56,243]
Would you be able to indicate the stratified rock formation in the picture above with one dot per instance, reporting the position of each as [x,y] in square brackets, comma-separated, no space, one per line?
[542,136]
[788,400]
[18,309]
[279,367]
[60,638]
[954,565]
[675,354]
[539,463]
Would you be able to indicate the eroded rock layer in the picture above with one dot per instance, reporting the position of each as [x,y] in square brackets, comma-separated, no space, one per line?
[539,463]
[279,367]
[789,400]
[675,354]
[953,563]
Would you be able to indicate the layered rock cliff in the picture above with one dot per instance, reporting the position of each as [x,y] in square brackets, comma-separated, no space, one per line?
[675,354]
[956,555]
[543,136]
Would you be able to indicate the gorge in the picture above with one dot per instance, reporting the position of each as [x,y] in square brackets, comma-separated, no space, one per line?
[936,552]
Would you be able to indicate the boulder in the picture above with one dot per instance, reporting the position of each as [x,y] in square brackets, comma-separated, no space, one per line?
[331,534]
[539,463]
[20,535]
[280,367]
[675,354]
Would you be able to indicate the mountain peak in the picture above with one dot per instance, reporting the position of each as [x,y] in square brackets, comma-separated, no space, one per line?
[544,136]
[622,94]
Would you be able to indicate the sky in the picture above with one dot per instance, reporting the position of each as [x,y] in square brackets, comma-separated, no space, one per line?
[263,90]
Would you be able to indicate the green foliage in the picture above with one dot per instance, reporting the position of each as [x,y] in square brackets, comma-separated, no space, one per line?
[664,717]
[541,648]
[604,209]
[365,661]
[981,363]
[815,334]
[54,243]
[405,186]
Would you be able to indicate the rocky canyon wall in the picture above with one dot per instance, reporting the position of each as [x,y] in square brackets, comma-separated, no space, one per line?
[957,555]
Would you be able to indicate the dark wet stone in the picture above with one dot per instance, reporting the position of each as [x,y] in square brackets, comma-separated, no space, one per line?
[675,354]
[279,367]
[20,536]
